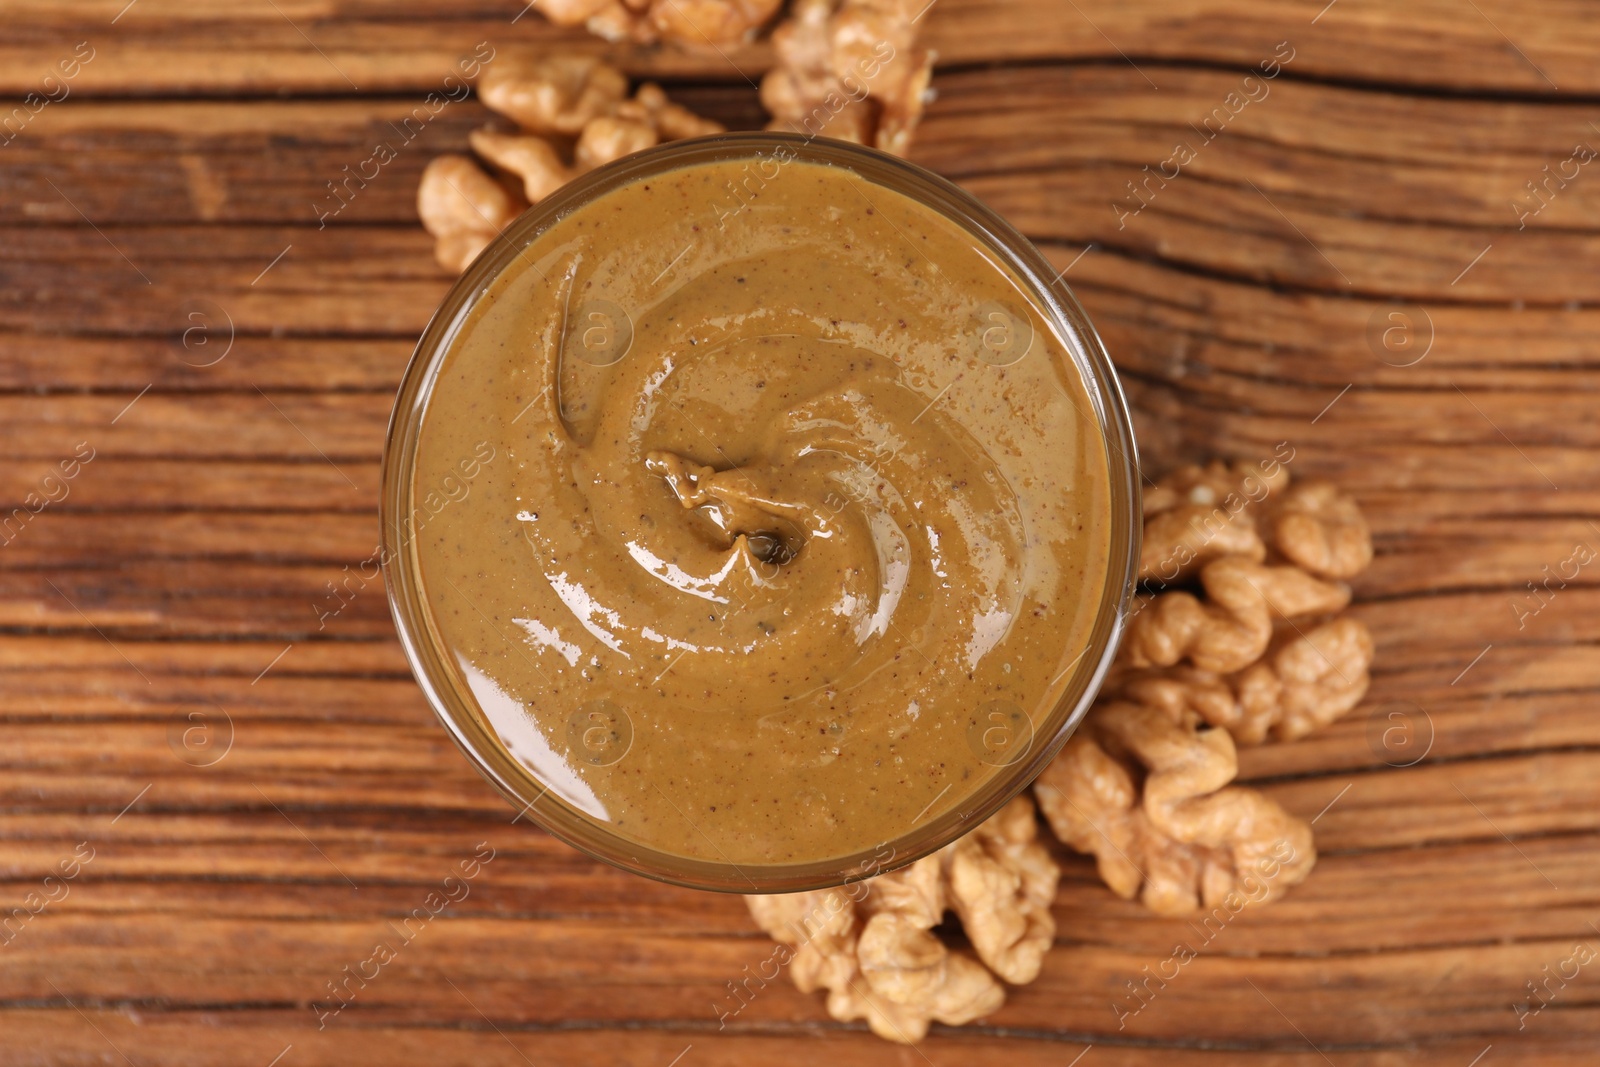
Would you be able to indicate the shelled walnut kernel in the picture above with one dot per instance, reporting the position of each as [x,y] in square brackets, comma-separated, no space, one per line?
[1256,652]
[572,114]
[849,69]
[707,25]
[1147,793]
[873,946]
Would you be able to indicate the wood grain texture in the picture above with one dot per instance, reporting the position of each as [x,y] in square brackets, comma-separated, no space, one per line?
[323,46]
[175,603]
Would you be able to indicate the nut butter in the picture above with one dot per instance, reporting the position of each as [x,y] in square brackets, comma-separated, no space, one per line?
[807,527]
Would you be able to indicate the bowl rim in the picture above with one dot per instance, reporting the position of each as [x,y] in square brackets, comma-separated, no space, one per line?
[477,740]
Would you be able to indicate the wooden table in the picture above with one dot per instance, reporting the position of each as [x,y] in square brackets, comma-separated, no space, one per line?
[264,793]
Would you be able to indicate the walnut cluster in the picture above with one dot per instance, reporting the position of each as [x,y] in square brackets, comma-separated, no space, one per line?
[850,69]
[847,69]
[1239,642]
[873,946]
[1197,514]
[571,114]
[1257,648]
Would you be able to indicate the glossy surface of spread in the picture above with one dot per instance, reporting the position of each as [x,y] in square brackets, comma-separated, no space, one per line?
[769,526]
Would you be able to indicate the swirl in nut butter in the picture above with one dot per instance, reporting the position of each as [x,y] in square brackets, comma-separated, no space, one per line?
[796,521]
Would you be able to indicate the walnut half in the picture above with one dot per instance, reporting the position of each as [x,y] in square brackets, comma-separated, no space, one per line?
[1196,514]
[464,208]
[1320,528]
[1231,628]
[1307,679]
[1147,793]
[1000,880]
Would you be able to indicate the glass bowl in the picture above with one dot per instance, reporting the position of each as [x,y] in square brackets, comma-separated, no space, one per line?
[450,697]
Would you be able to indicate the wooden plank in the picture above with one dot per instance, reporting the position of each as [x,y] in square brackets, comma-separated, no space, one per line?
[1315,228]
[86,539]
[91,697]
[1398,724]
[82,603]
[323,46]
[122,366]
[332,285]
[328,289]
[151,484]
[207,659]
[253,424]
[272,875]
[1398,157]
[259,1033]
[541,974]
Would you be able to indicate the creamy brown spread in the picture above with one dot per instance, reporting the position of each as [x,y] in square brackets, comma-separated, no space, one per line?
[796,521]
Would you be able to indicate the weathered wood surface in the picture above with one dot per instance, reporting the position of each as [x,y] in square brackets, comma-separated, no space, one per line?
[230,46]
[181,584]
